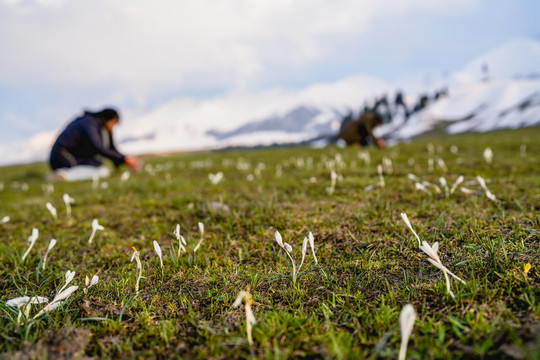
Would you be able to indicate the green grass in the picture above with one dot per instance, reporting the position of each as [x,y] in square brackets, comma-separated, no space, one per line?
[348,307]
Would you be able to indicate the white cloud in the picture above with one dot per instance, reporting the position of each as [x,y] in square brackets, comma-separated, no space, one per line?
[144,46]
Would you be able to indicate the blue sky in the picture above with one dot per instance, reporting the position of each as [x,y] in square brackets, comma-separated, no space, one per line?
[60,56]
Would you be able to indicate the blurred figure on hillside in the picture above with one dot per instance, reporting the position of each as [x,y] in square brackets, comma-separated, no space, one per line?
[80,149]
[360,131]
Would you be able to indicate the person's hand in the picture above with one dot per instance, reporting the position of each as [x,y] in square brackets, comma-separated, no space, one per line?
[133,162]
[381,143]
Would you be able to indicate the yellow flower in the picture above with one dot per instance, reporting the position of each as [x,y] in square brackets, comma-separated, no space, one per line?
[526,268]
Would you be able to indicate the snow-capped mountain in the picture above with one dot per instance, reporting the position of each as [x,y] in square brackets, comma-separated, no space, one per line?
[498,89]
[248,119]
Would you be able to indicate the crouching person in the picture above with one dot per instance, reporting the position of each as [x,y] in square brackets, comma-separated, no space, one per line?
[80,149]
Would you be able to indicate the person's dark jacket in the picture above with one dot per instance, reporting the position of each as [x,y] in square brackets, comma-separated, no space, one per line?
[360,130]
[81,143]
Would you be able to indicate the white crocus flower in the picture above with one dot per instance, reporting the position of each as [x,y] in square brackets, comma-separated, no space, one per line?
[482,183]
[312,246]
[467,191]
[387,164]
[5,219]
[421,187]
[444,185]
[279,239]
[434,259]
[369,188]
[215,178]
[89,283]
[20,302]
[157,249]
[52,210]
[137,257]
[456,184]
[442,165]
[287,247]
[57,301]
[125,176]
[24,304]
[201,230]
[49,248]
[430,164]
[304,250]
[333,179]
[428,184]
[181,241]
[381,176]
[408,223]
[95,228]
[413,177]
[406,323]
[288,250]
[68,200]
[69,277]
[31,239]
[250,318]
[488,155]
[364,155]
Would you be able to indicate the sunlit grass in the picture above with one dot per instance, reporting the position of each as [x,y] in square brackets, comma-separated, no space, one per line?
[343,303]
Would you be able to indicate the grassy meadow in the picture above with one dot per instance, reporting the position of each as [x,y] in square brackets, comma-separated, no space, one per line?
[346,306]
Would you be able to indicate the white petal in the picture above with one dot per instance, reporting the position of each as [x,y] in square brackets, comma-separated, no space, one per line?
[66,293]
[287,247]
[443,182]
[456,184]
[51,244]
[467,191]
[312,246]
[239,298]
[406,322]
[482,182]
[69,276]
[435,247]
[18,302]
[429,251]
[94,281]
[408,223]
[201,227]
[279,239]
[157,248]
[96,226]
[34,236]
[420,187]
[55,305]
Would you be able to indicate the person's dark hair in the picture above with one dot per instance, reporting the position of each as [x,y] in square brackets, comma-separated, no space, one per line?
[106,114]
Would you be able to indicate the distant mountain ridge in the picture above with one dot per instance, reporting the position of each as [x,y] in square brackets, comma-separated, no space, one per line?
[498,89]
